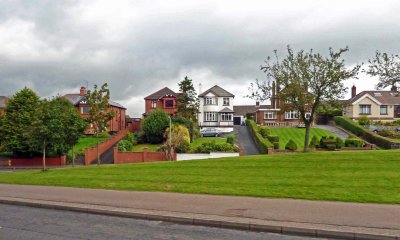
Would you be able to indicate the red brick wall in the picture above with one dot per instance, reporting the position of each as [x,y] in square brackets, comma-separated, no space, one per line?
[91,153]
[160,105]
[37,161]
[138,157]
[134,125]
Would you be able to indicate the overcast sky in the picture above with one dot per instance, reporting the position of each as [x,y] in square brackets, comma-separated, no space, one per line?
[138,47]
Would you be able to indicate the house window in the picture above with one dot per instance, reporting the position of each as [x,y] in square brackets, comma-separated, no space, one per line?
[291,115]
[210,101]
[169,103]
[270,115]
[384,110]
[153,103]
[85,110]
[210,116]
[226,101]
[365,109]
[226,117]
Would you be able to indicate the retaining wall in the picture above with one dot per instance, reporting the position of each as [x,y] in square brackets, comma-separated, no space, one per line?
[139,157]
[38,161]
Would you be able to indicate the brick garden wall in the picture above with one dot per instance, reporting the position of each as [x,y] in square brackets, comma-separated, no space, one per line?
[37,161]
[139,157]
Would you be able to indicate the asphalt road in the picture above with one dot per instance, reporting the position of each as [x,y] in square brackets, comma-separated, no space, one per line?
[17,222]
[246,141]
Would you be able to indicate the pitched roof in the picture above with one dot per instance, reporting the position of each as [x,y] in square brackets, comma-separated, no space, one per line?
[245,109]
[218,91]
[226,110]
[3,101]
[384,97]
[75,98]
[165,92]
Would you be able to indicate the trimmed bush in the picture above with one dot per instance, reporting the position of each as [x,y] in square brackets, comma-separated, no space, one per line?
[231,139]
[273,138]
[124,146]
[276,145]
[212,146]
[353,142]
[314,142]
[327,142]
[364,133]
[363,120]
[182,147]
[339,143]
[291,145]
[262,143]
[264,131]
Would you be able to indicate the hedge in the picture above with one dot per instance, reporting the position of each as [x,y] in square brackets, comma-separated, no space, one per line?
[262,143]
[364,133]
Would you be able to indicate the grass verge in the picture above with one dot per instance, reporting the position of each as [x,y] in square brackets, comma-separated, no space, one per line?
[359,176]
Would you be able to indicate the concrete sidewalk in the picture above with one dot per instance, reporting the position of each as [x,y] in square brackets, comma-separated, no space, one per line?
[299,217]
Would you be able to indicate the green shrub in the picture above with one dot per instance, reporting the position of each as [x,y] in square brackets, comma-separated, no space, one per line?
[276,145]
[363,120]
[389,134]
[353,142]
[231,139]
[273,138]
[224,147]
[339,143]
[124,146]
[212,146]
[291,145]
[327,142]
[104,134]
[330,146]
[314,142]
[182,147]
[264,131]
[366,134]
[262,143]
[131,138]
[154,125]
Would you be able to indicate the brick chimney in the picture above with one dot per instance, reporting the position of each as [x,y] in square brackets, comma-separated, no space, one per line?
[83,91]
[353,91]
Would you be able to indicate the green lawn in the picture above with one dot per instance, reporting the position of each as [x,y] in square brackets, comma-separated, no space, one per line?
[151,147]
[198,141]
[359,176]
[297,135]
[86,142]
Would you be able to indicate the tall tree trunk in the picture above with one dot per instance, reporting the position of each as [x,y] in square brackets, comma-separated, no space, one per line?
[44,155]
[307,137]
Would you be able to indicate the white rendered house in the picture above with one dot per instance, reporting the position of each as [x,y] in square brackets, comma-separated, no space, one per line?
[216,108]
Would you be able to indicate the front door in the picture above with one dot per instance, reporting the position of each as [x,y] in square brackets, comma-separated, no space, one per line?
[397,111]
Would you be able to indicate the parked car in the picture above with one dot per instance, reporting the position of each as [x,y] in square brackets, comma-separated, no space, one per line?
[375,128]
[398,129]
[209,132]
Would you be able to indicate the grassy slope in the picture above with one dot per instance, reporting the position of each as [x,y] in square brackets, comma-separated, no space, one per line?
[360,176]
[85,142]
[297,135]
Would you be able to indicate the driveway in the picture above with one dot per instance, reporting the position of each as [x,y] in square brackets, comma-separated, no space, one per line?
[337,131]
[246,141]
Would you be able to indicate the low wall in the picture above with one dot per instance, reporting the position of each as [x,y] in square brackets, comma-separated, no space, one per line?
[139,157]
[38,161]
[195,156]
[91,153]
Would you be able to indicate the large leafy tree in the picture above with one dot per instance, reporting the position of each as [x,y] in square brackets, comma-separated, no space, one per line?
[99,112]
[154,126]
[387,68]
[16,124]
[187,101]
[57,128]
[305,79]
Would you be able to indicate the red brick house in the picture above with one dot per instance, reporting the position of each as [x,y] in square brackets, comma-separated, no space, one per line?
[162,99]
[115,125]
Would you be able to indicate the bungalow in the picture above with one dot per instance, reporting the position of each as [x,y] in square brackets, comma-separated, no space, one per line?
[216,108]
[79,101]
[162,99]
[3,104]
[376,105]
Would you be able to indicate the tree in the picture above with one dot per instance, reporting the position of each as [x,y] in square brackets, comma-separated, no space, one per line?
[304,80]
[387,68]
[179,139]
[187,101]
[154,126]
[99,111]
[57,127]
[16,124]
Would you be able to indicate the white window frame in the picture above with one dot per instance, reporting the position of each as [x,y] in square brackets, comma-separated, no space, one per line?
[226,101]
[210,116]
[153,104]
[365,109]
[270,115]
[88,110]
[291,115]
[383,107]
[210,101]
[226,117]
